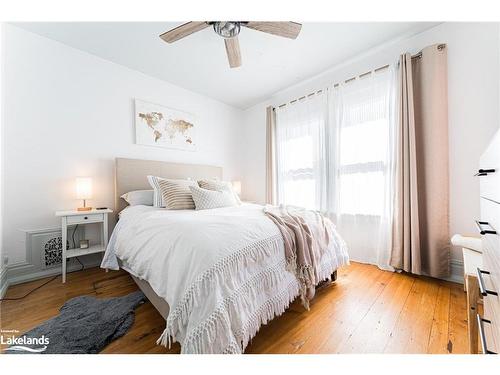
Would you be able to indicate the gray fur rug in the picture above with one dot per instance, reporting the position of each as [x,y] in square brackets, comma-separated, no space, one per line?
[85,325]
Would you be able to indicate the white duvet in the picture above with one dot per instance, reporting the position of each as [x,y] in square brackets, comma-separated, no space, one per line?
[222,271]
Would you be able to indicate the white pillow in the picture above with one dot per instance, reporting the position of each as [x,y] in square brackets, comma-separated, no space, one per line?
[219,186]
[205,199]
[136,197]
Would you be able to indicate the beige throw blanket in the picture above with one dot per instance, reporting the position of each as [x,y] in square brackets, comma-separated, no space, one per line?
[306,235]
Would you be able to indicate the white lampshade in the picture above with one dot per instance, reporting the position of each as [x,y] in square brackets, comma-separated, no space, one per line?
[237,187]
[83,188]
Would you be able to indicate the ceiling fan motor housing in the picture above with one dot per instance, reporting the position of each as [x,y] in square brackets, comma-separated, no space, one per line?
[227,29]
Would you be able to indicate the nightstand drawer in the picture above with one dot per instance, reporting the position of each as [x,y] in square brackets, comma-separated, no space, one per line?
[79,219]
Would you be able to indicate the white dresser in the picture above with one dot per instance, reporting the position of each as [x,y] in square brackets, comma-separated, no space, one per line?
[489,227]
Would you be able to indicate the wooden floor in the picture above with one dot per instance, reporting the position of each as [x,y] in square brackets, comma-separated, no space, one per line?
[366,311]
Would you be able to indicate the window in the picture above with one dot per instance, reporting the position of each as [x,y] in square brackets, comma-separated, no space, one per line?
[300,152]
[333,152]
[298,174]
[364,141]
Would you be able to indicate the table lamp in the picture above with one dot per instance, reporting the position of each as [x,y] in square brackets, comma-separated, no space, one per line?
[84,191]
[237,187]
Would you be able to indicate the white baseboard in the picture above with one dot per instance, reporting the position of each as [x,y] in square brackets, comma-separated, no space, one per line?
[456,271]
[23,278]
[45,273]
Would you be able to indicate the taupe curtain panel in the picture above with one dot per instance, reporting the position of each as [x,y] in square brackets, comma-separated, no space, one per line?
[270,156]
[421,214]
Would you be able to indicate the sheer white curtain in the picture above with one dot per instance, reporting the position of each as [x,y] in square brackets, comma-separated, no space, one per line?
[300,152]
[361,184]
[335,152]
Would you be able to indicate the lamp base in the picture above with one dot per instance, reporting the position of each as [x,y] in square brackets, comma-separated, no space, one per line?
[84,209]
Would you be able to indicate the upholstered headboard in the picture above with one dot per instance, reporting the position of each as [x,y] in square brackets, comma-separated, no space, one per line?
[130,174]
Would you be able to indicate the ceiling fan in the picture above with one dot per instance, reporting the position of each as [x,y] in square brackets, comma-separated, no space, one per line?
[229,30]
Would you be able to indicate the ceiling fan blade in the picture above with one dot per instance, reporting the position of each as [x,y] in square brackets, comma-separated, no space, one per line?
[286,29]
[233,52]
[182,31]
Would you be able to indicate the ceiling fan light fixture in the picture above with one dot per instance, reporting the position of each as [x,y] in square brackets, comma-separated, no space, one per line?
[227,29]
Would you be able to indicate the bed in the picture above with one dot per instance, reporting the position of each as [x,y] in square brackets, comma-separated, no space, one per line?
[216,275]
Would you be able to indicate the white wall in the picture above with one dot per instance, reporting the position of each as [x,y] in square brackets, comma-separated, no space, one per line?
[473,107]
[69,113]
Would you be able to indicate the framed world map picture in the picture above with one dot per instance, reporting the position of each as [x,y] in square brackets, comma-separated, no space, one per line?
[160,126]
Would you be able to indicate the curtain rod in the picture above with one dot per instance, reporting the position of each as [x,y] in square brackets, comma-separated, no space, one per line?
[416,56]
[335,85]
[419,55]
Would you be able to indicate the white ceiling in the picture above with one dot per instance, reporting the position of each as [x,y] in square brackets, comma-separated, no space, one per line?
[199,63]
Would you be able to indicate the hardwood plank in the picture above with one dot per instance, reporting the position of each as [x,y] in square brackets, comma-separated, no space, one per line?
[354,311]
[438,340]
[366,311]
[381,318]
[457,336]
[412,331]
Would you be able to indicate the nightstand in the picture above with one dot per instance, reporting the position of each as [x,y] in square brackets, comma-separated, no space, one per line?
[74,217]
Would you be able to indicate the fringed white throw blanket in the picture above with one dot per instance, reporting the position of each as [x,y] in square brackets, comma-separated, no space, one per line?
[223,272]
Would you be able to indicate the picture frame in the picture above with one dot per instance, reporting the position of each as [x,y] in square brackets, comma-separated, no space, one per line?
[160,126]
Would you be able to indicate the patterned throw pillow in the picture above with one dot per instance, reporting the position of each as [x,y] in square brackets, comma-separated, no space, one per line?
[219,186]
[154,181]
[157,197]
[176,194]
[205,199]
